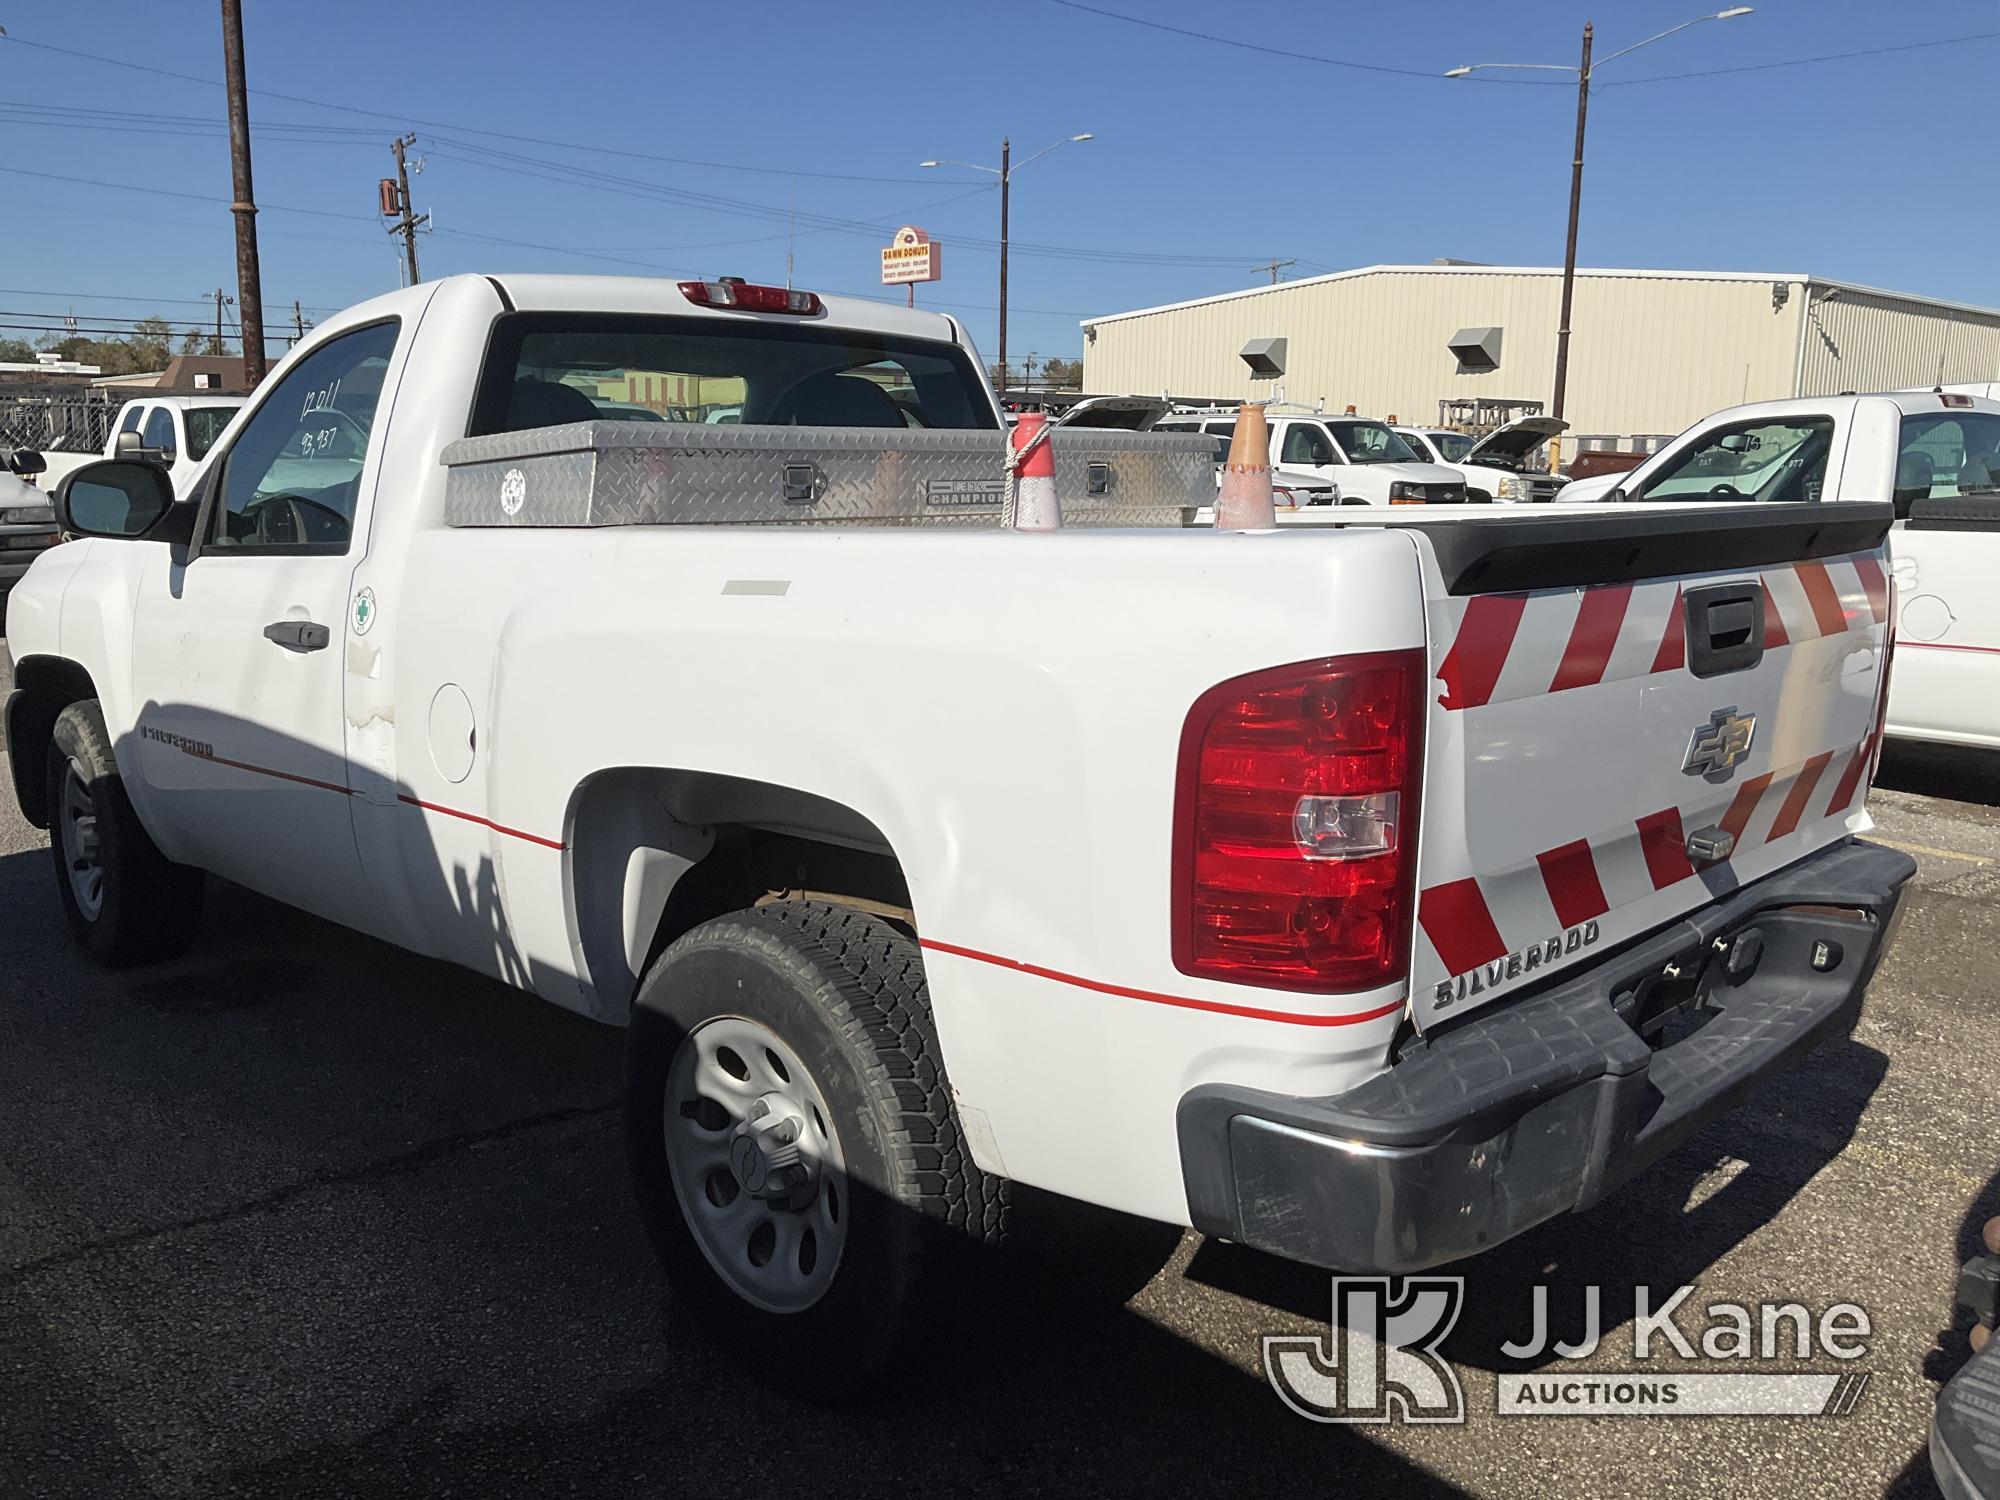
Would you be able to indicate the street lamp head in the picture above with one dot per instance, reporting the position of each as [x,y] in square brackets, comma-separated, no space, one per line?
[929,164]
[1086,136]
[1458,73]
[1734,11]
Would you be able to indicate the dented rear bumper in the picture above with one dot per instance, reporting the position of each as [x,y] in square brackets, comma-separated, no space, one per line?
[1542,1105]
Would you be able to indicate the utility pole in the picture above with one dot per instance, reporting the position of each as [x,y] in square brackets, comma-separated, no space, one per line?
[298,321]
[221,298]
[409,223]
[249,283]
[1274,268]
[1569,250]
[1006,181]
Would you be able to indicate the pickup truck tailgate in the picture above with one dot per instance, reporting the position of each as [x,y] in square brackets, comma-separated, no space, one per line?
[1632,714]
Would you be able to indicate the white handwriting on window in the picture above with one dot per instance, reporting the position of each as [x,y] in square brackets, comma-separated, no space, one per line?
[319,400]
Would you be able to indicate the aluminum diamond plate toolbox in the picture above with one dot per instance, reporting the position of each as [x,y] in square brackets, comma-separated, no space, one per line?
[675,474]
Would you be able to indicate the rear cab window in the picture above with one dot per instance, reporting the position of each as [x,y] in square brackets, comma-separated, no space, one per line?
[1781,459]
[548,369]
[204,426]
[1947,453]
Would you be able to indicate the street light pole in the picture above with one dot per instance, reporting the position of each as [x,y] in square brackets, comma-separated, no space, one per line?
[1005,172]
[1006,182]
[249,283]
[1583,75]
[1575,209]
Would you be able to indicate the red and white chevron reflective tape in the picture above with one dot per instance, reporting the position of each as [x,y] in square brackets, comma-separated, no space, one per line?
[1510,646]
[1588,877]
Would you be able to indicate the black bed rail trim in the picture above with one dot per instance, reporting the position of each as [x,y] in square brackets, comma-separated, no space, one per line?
[1521,548]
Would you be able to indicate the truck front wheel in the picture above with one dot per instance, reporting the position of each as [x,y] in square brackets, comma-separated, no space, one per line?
[125,902]
[793,1143]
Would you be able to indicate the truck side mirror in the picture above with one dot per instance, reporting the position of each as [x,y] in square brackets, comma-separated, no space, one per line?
[128,445]
[114,498]
[26,462]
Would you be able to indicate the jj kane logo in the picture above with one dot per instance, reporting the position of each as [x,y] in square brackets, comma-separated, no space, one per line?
[1381,1362]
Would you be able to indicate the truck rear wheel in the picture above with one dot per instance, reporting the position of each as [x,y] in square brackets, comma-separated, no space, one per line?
[792,1140]
[125,902]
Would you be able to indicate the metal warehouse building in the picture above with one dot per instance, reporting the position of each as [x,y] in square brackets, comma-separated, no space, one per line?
[1650,351]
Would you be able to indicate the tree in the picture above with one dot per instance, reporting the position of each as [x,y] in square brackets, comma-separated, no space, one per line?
[16,352]
[1063,374]
[152,343]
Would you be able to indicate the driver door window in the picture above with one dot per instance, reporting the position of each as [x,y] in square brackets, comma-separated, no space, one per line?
[291,479]
[1777,459]
[1305,444]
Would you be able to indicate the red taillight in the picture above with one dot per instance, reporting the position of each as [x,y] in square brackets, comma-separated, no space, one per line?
[746,298]
[1295,821]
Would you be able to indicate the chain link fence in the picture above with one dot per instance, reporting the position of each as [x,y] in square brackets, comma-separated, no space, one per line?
[60,420]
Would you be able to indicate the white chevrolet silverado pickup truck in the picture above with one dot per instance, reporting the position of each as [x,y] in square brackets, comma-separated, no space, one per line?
[1367,894]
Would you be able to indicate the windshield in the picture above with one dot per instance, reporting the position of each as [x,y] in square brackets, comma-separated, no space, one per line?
[1453,446]
[546,369]
[1780,459]
[204,426]
[1371,443]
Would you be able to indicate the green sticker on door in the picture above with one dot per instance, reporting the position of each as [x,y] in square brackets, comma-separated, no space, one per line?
[364,612]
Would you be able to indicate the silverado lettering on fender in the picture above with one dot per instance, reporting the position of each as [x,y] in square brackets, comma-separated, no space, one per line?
[1339,890]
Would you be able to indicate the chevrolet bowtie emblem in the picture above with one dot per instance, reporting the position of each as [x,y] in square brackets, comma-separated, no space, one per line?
[1718,747]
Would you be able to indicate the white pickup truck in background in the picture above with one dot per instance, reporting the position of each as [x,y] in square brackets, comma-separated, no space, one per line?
[1203,876]
[1365,462]
[174,431]
[1935,455]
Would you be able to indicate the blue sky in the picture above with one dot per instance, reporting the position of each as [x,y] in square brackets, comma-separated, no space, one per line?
[1208,159]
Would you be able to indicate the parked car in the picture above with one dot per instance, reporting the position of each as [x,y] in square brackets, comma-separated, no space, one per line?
[1198,875]
[27,522]
[1494,467]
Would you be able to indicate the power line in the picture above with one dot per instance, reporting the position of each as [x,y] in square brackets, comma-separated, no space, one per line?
[15,291]
[376,114]
[608,182]
[1797,62]
[1293,56]
[548,171]
[133,187]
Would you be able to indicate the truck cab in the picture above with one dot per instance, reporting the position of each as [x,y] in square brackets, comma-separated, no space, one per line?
[175,431]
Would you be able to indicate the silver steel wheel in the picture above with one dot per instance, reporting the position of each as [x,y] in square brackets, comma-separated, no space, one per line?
[81,854]
[756,1163]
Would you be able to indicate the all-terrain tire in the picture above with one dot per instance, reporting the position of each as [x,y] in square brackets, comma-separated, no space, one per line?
[845,992]
[145,907]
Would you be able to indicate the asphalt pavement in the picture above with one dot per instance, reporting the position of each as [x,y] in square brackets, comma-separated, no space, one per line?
[302,1215]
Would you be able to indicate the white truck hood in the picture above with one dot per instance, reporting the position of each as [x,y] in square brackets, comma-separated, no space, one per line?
[1509,444]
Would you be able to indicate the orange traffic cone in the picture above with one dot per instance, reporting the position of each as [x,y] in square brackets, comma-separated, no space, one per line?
[1031,465]
[1244,501]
